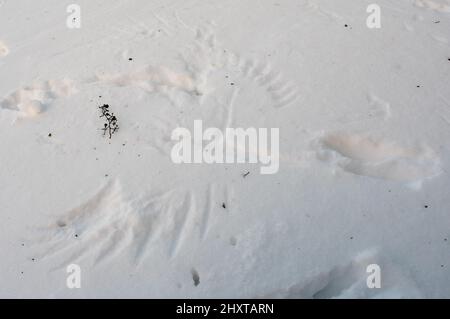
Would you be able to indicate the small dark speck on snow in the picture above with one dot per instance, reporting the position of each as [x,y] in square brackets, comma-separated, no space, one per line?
[195,277]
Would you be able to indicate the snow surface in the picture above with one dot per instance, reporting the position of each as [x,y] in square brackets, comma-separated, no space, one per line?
[364,118]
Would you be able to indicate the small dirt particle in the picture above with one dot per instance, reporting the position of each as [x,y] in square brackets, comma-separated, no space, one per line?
[195,277]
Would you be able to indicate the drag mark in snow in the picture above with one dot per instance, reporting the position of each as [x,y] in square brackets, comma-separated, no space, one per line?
[206,212]
[33,100]
[349,281]
[180,221]
[436,5]
[367,156]
[151,79]
[218,197]
[230,110]
[440,39]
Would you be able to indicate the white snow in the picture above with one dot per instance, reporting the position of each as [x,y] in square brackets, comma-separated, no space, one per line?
[364,119]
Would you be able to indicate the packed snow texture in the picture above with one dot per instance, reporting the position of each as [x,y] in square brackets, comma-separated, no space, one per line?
[364,119]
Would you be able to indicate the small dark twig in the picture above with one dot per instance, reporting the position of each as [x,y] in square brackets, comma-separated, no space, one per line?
[111,125]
